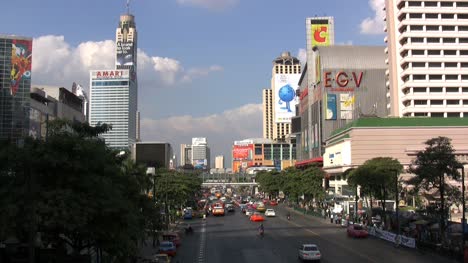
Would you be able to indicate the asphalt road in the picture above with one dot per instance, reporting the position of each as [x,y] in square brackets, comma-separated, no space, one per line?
[233,238]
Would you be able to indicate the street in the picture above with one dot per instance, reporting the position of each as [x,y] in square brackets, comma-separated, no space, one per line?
[233,238]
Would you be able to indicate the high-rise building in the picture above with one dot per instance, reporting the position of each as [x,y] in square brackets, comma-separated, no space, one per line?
[79,91]
[219,162]
[279,103]
[114,93]
[185,154]
[111,100]
[15,86]
[427,51]
[200,153]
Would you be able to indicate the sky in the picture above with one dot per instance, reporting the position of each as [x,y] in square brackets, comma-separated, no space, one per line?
[202,64]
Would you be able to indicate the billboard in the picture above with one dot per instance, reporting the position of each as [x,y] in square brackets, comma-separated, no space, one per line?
[200,164]
[21,54]
[330,110]
[346,106]
[125,53]
[242,152]
[343,81]
[285,98]
[199,140]
[320,35]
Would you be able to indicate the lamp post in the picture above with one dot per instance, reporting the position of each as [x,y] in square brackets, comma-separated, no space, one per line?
[397,208]
[463,209]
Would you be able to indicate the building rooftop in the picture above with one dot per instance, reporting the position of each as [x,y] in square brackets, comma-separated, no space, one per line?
[370,57]
[403,122]
[286,59]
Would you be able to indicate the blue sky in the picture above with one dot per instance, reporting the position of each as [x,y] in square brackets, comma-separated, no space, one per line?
[202,63]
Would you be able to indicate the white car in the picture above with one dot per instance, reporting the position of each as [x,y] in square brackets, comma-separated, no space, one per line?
[270,212]
[309,252]
[249,212]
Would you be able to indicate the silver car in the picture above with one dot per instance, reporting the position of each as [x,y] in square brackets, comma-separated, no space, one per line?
[309,252]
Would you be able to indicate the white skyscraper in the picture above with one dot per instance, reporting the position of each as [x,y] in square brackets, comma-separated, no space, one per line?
[114,93]
[219,162]
[427,49]
[279,102]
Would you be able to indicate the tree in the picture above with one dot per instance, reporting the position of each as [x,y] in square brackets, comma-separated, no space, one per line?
[431,166]
[377,178]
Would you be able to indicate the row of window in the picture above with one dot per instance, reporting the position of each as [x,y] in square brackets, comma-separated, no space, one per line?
[436,90]
[432,28]
[432,16]
[434,40]
[434,52]
[437,114]
[436,102]
[430,65]
[431,4]
[109,83]
[424,77]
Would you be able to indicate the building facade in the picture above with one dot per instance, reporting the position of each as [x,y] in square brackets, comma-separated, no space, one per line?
[154,154]
[342,83]
[427,47]
[112,102]
[185,154]
[200,153]
[219,162]
[279,102]
[260,152]
[49,103]
[15,86]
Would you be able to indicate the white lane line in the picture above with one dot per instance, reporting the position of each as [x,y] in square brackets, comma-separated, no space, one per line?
[201,253]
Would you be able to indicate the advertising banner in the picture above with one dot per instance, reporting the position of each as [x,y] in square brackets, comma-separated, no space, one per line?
[392,237]
[320,35]
[21,54]
[318,69]
[330,112]
[198,141]
[242,152]
[199,164]
[346,106]
[125,53]
[285,97]
[342,81]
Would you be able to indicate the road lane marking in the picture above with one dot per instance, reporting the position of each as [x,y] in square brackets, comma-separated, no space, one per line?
[334,243]
[201,252]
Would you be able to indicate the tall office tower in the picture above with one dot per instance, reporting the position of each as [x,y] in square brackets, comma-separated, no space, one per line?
[279,103]
[126,40]
[185,154]
[427,47]
[138,138]
[15,86]
[219,162]
[110,103]
[267,114]
[200,153]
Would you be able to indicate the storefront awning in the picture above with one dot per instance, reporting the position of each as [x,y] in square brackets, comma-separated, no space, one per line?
[309,161]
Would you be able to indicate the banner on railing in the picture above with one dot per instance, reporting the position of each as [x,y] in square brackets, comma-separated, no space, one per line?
[392,237]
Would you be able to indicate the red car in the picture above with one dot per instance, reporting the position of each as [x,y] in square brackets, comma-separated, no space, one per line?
[256,217]
[357,231]
[273,202]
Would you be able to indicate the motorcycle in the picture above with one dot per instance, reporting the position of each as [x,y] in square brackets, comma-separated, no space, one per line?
[289,217]
[189,230]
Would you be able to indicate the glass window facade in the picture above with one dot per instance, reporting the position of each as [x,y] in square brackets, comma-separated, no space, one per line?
[15,85]
[114,102]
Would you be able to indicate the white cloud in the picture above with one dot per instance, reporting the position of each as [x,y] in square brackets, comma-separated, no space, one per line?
[56,62]
[221,130]
[374,25]
[210,4]
[302,55]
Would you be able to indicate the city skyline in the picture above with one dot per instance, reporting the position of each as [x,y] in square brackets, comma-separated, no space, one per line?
[184,63]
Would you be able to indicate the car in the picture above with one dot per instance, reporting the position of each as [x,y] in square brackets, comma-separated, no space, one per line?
[273,203]
[256,217]
[261,207]
[161,258]
[270,212]
[173,237]
[309,252]
[230,209]
[168,248]
[357,230]
[249,212]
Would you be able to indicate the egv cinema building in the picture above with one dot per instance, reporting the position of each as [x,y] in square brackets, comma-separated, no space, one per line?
[338,85]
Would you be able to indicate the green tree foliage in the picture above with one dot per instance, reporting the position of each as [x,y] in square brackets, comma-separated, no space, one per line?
[74,190]
[432,166]
[377,178]
[293,182]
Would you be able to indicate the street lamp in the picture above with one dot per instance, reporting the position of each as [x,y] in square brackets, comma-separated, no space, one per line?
[397,207]
[463,208]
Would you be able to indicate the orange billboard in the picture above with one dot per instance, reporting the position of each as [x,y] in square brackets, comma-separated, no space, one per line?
[320,35]
[242,152]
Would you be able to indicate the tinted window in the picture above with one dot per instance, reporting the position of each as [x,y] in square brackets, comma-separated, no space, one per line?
[310,249]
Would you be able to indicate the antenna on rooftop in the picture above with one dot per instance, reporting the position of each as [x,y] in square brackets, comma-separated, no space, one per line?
[128,7]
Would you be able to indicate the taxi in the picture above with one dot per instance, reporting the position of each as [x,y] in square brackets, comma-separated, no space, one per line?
[257,217]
